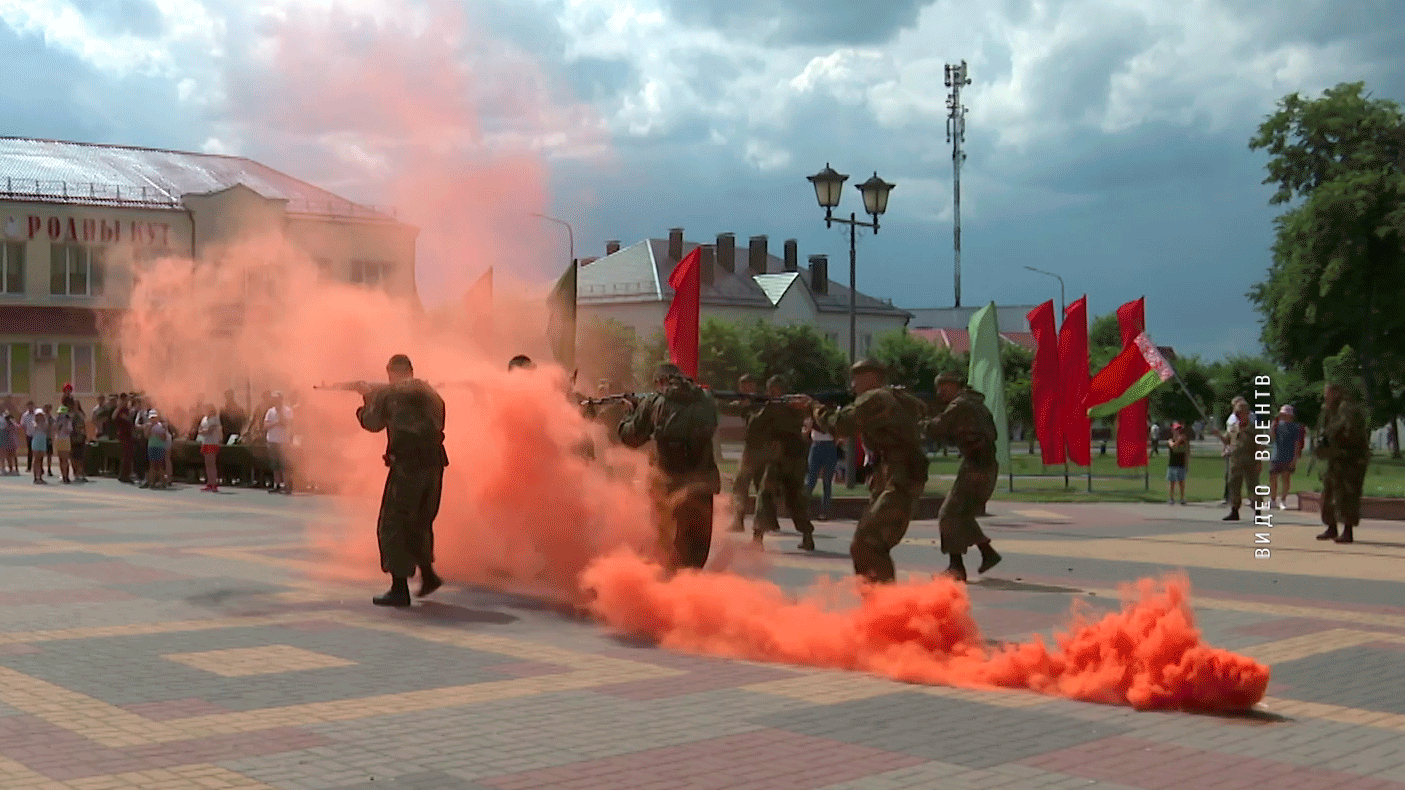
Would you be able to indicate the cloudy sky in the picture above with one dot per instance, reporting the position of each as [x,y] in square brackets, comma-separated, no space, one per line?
[1107,139]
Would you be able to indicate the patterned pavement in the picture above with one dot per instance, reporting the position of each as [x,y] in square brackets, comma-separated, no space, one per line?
[164,640]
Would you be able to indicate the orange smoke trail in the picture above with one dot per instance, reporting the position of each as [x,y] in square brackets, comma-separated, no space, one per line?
[1148,655]
[394,105]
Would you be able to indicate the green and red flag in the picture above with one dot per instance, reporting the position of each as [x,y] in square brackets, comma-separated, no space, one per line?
[1130,376]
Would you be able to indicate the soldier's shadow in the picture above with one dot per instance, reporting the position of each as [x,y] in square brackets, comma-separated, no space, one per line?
[438,612]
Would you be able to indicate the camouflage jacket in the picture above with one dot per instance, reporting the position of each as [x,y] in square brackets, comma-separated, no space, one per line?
[889,420]
[412,415]
[968,424]
[1345,435]
[1241,441]
[683,408]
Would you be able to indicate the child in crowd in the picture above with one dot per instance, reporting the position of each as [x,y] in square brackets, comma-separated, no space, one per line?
[10,432]
[63,441]
[39,444]
[210,434]
[1177,462]
[158,444]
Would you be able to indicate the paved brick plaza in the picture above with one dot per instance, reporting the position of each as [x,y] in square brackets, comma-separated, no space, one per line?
[162,640]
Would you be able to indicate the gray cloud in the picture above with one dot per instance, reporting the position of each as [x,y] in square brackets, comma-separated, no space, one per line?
[1076,83]
[802,21]
[135,17]
[595,79]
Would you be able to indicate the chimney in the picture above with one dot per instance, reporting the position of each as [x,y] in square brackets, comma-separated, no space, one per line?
[675,245]
[611,247]
[756,261]
[819,274]
[792,255]
[727,252]
[707,261]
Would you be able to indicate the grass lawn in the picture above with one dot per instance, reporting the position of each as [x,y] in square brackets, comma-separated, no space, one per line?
[1204,483]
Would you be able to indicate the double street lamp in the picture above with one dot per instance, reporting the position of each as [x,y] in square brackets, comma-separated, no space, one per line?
[828,189]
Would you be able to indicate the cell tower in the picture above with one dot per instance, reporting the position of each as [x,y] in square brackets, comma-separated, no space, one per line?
[956,79]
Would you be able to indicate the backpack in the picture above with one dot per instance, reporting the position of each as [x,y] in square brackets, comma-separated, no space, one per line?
[685,421]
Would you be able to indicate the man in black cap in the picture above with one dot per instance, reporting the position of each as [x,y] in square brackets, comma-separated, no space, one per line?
[967,423]
[889,418]
[681,417]
[412,415]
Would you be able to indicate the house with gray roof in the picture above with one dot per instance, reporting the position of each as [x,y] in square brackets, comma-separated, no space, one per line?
[79,222]
[630,285]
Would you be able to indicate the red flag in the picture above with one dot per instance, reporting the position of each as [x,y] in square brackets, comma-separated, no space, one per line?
[681,324]
[1044,384]
[1132,433]
[1073,372]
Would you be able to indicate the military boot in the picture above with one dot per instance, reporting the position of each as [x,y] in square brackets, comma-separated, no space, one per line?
[1233,515]
[1329,534]
[429,581]
[957,570]
[398,595]
[807,542]
[1346,536]
[989,557]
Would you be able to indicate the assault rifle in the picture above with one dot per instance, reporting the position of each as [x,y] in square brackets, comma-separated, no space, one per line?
[828,398]
[622,397]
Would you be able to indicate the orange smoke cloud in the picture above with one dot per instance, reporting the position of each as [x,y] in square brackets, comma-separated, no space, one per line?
[1149,655]
[395,107]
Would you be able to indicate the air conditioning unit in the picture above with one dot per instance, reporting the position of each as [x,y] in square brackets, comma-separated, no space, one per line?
[44,352]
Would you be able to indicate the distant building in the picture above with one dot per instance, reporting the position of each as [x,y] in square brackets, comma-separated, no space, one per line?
[948,327]
[78,220]
[630,285]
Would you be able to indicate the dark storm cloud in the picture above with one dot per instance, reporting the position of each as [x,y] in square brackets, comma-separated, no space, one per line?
[1075,80]
[1153,154]
[135,17]
[38,90]
[802,21]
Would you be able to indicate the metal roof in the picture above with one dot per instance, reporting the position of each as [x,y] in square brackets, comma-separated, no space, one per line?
[639,273]
[52,171]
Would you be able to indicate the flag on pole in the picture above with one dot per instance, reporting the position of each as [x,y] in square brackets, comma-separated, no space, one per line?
[1131,376]
[681,323]
[1132,423]
[987,376]
[1073,374]
[561,322]
[1044,384]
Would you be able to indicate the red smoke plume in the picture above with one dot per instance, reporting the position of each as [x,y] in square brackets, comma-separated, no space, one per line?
[393,104]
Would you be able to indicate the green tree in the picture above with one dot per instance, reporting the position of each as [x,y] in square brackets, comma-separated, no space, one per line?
[1338,271]
[723,354]
[913,362]
[651,354]
[1169,401]
[1104,341]
[808,360]
[607,349]
[1016,362]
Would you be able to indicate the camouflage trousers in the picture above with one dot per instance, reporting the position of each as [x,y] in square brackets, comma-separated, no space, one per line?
[783,480]
[405,528]
[1342,483]
[895,494]
[957,519]
[683,509]
[747,477]
[1243,477]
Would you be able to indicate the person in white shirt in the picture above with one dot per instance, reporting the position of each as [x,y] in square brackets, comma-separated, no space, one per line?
[27,423]
[276,433]
[210,435]
[824,456]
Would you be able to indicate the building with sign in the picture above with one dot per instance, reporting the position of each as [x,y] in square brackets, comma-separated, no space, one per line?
[630,285]
[77,220]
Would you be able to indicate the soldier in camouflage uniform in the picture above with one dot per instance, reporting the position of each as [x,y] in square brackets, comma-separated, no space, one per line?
[967,423]
[1243,468]
[412,415]
[889,419]
[1345,445]
[754,448]
[681,418]
[788,462]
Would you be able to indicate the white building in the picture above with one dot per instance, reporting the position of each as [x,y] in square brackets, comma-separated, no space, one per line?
[76,220]
[630,285]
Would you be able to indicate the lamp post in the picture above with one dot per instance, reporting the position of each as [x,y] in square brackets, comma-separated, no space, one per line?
[1062,306]
[828,190]
[570,233]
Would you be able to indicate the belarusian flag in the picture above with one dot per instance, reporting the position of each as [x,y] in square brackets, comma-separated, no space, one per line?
[1131,376]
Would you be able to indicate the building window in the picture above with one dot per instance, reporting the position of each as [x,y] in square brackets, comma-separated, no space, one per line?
[372,273]
[78,365]
[14,368]
[12,267]
[76,270]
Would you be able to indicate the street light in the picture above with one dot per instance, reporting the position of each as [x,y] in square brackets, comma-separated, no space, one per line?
[829,185]
[1062,307]
[570,233]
